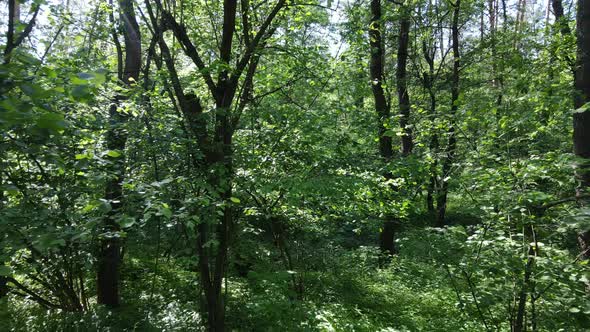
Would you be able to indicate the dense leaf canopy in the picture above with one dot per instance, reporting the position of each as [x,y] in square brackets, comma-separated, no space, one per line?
[289,165]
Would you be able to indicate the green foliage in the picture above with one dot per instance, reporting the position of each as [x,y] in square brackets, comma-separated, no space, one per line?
[309,192]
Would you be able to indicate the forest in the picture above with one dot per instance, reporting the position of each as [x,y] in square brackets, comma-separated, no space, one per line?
[295,165]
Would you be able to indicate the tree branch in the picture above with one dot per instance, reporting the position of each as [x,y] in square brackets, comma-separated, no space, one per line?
[32,294]
[11,44]
[187,46]
[256,41]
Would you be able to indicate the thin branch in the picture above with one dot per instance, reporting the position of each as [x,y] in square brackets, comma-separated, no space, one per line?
[472,290]
[32,294]
[257,40]
[11,45]
[187,46]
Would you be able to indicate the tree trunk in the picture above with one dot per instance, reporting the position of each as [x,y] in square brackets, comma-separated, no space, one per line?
[3,280]
[562,26]
[109,255]
[519,24]
[217,164]
[13,21]
[497,79]
[221,164]
[402,84]
[582,117]
[382,107]
[560,20]
[452,143]
[13,17]
[428,80]
[518,325]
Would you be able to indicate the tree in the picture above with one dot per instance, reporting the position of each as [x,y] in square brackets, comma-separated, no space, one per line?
[450,149]
[248,183]
[402,81]
[581,115]
[429,77]
[383,109]
[13,40]
[560,19]
[215,142]
[109,256]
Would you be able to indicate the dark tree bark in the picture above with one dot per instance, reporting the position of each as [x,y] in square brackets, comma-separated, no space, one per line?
[402,83]
[12,39]
[582,117]
[3,279]
[519,24]
[560,20]
[492,10]
[382,107]
[451,147]
[109,255]
[561,25]
[376,69]
[13,20]
[3,287]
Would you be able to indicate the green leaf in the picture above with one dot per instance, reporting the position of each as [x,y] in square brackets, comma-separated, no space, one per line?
[104,206]
[126,222]
[90,206]
[81,93]
[52,121]
[166,212]
[48,241]
[34,91]
[113,153]
[5,271]
[235,200]
[389,133]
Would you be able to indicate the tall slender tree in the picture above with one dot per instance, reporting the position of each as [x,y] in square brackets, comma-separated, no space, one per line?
[402,81]
[582,114]
[383,109]
[497,77]
[429,77]
[451,147]
[109,255]
[382,106]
